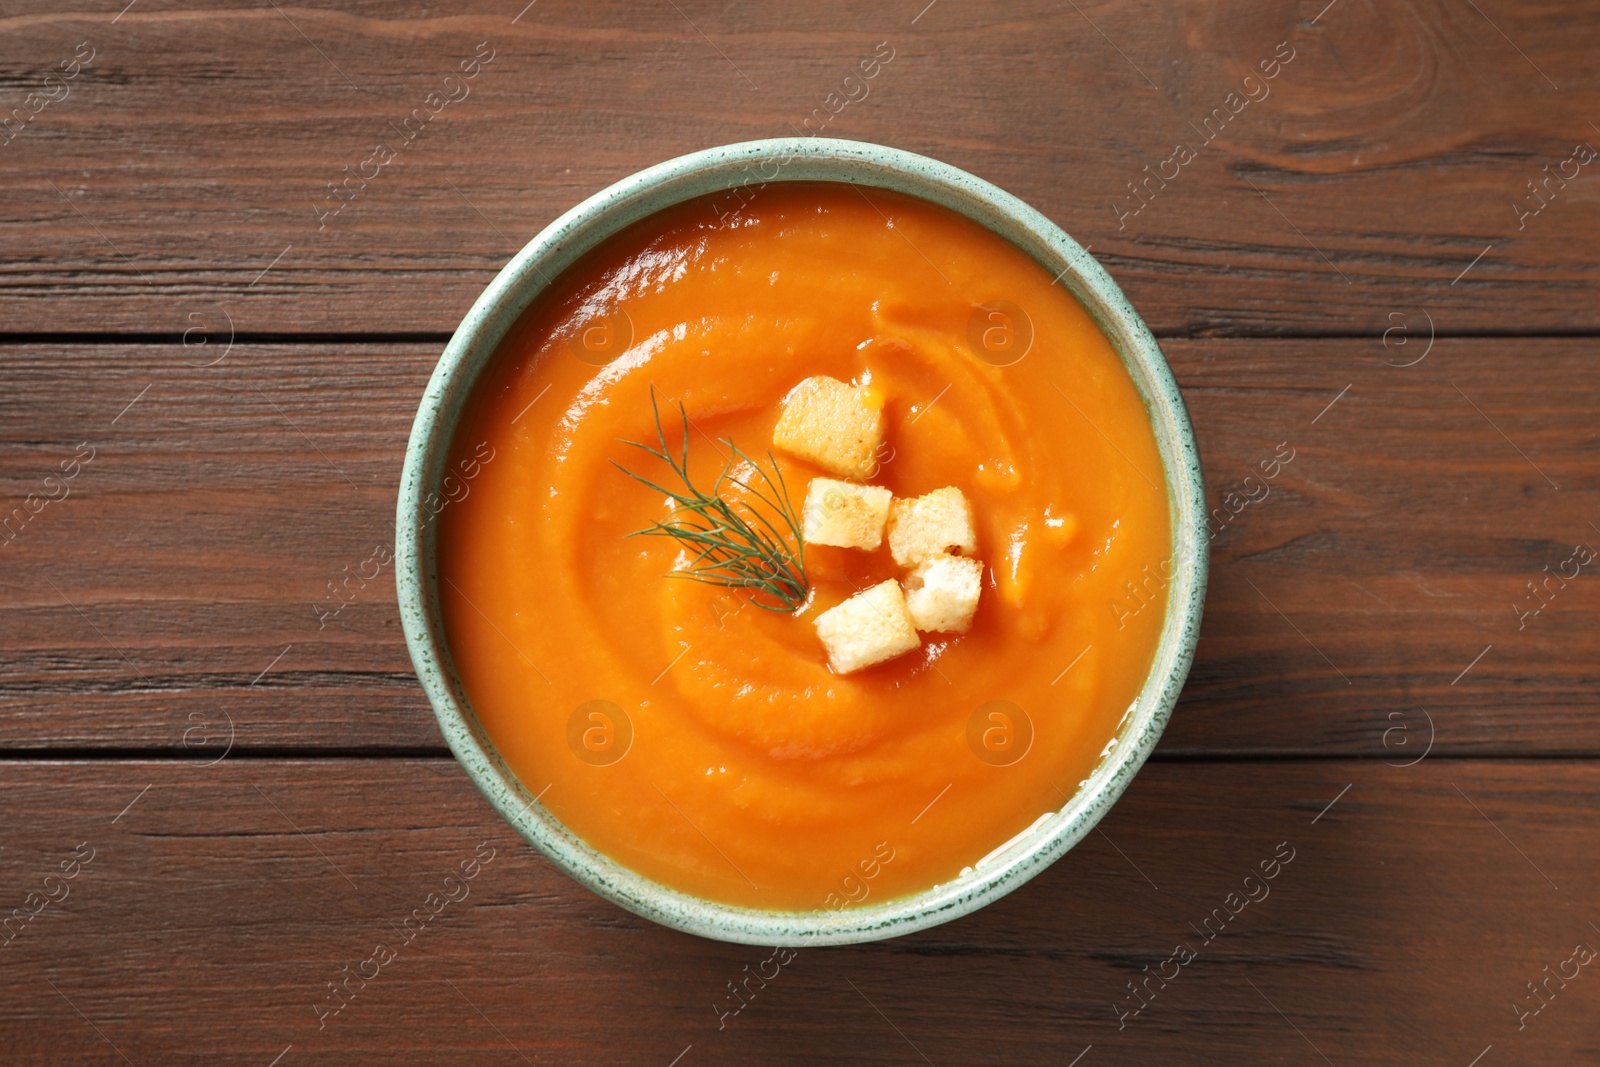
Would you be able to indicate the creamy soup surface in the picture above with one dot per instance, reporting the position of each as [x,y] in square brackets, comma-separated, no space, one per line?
[707,743]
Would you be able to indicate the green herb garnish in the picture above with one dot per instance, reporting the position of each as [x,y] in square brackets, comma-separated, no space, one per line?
[732,543]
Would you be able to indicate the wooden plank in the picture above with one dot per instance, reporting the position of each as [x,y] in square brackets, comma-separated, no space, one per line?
[181,177]
[1414,907]
[1400,580]
[180,590]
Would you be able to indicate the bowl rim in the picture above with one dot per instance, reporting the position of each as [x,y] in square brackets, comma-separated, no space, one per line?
[741,170]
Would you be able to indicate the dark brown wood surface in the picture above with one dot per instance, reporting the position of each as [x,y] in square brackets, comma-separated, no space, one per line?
[1341,270]
[1416,904]
[196,148]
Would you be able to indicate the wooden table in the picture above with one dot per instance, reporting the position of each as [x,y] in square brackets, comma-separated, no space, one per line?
[207,375]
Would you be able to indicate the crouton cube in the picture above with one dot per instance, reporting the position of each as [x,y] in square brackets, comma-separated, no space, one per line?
[845,514]
[869,628]
[834,425]
[930,525]
[942,593]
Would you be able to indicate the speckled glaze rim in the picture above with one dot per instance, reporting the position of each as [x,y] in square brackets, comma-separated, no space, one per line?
[745,166]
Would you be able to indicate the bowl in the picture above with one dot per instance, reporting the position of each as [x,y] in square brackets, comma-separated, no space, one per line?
[733,169]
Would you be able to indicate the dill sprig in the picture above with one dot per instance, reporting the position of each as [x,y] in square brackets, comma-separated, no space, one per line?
[731,544]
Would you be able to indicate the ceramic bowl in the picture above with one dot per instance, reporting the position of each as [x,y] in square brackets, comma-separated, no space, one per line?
[728,170]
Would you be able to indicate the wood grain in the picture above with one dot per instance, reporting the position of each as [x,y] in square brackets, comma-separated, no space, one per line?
[1415,907]
[183,178]
[175,593]
[1396,548]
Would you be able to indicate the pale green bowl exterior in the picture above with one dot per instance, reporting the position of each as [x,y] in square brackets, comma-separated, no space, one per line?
[716,170]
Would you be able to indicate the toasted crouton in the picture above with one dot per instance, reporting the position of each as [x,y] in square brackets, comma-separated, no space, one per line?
[845,514]
[942,593]
[869,628]
[930,525]
[834,425]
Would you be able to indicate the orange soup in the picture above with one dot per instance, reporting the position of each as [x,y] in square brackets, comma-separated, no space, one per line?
[707,743]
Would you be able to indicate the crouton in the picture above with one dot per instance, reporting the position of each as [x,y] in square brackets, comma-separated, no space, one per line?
[845,514]
[930,525]
[942,593]
[869,628]
[834,425]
